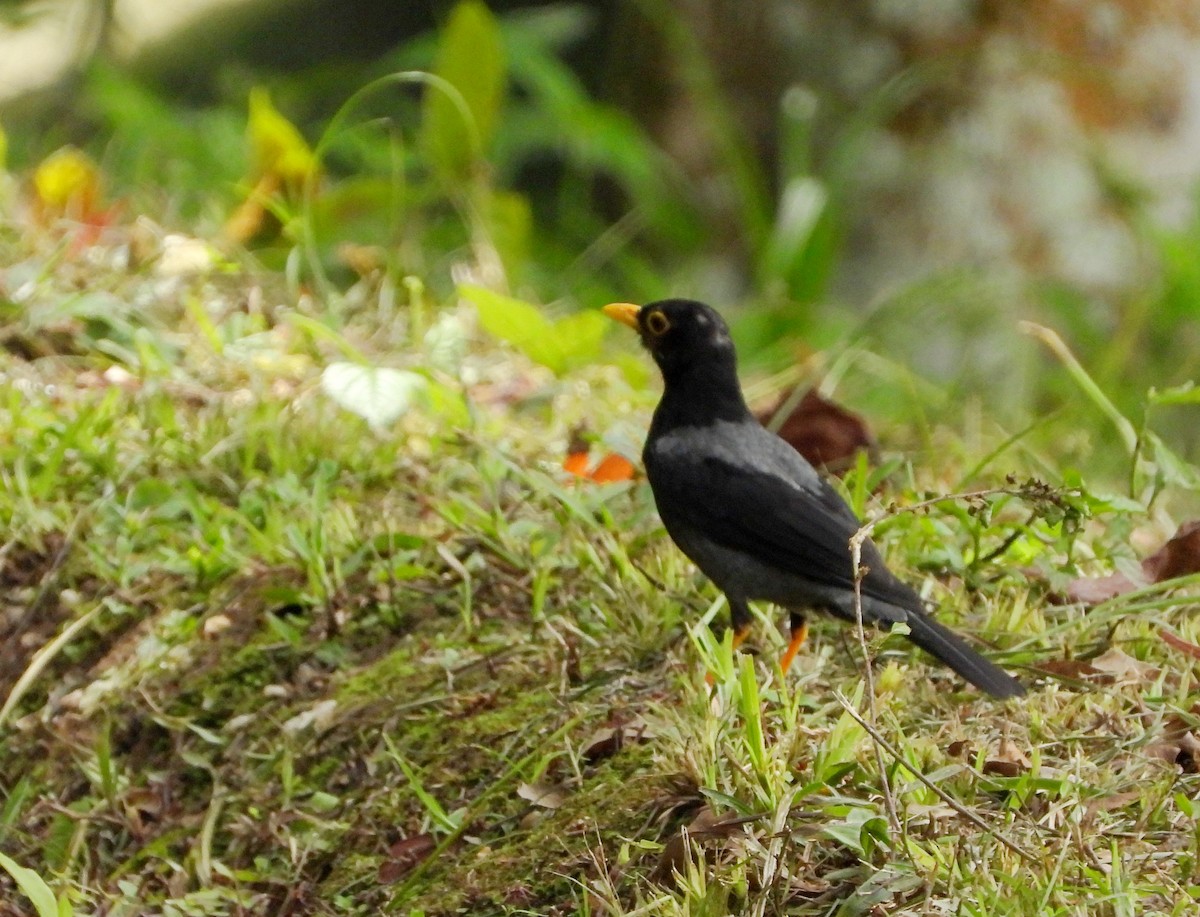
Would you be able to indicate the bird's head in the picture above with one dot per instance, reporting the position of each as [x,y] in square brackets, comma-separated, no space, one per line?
[681,334]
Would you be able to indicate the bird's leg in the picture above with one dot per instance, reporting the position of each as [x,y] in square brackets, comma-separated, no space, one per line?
[799,629]
[740,619]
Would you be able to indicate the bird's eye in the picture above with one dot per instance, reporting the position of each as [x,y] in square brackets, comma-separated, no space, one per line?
[657,324]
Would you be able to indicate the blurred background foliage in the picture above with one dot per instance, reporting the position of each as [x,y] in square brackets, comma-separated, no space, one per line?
[888,187]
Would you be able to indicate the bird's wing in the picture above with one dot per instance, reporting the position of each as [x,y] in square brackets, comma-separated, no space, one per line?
[797,523]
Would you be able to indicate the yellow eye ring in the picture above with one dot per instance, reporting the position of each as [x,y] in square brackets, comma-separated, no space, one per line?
[657,323]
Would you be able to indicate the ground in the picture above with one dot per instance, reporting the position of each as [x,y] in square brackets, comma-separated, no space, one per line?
[262,657]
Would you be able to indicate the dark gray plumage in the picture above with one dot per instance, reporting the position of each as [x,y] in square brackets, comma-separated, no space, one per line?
[751,513]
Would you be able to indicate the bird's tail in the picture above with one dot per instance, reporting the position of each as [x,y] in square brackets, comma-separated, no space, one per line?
[951,649]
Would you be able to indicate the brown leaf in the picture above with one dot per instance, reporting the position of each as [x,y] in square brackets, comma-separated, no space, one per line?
[1009,761]
[1121,666]
[610,739]
[1179,643]
[1184,751]
[1111,803]
[403,855]
[545,795]
[707,826]
[1092,590]
[823,432]
[1077,669]
[1180,556]
[603,743]
[960,748]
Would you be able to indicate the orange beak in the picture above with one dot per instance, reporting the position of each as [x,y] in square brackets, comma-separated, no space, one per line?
[624,312]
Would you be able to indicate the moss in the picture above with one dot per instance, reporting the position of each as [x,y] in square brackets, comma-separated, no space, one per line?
[539,862]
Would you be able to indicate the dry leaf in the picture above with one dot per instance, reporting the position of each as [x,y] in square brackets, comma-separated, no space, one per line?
[1009,761]
[1180,556]
[545,795]
[1121,666]
[1183,751]
[1092,590]
[825,433]
[318,717]
[215,624]
[1077,669]
[707,826]
[1111,802]
[404,855]
[960,748]
[603,743]
[1178,643]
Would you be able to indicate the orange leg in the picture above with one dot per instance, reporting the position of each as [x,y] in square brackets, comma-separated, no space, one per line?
[799,628]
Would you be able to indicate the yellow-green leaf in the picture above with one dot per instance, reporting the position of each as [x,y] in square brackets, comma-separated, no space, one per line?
[33,886]
[558,345]
[471,60]
[279,148]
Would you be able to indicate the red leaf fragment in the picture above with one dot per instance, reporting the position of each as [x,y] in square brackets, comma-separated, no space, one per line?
[1178,643]
[824,432]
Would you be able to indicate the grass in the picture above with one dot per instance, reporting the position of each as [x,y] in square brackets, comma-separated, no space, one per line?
[260,656]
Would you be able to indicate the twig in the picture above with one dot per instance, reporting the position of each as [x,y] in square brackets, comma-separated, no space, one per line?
[949,800]
[860,571]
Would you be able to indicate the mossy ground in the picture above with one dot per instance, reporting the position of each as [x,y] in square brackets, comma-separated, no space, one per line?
[252,648]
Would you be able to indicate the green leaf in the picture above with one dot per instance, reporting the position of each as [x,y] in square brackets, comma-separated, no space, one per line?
[457,125]
[839,752]
[1188,393]
[33,886]
[559,345]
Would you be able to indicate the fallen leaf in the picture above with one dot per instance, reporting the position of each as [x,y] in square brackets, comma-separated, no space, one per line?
[1121,666]
[1078,669]
[545,795]
[1182,750]
[608,740]
[960,748]
[824,432]
[705,828]
[1009,761]
[1111,803]
[1178,643]
[403,855]
[603,743]
[183,255]
[215,624]
[319,717]
[1092,590]
[1180,556]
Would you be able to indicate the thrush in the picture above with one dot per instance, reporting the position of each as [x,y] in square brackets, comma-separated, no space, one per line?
[751,513]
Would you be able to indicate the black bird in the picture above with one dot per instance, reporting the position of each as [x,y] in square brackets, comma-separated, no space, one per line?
[751,513]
